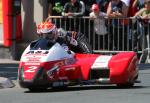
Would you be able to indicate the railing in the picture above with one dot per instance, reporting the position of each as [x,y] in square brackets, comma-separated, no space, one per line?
[124,34]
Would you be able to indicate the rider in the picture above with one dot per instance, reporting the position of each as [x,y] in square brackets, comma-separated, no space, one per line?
[77,42]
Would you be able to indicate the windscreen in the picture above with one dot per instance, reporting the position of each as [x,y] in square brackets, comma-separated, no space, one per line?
[41,44]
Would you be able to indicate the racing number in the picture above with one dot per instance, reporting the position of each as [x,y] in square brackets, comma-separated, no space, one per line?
[31,69]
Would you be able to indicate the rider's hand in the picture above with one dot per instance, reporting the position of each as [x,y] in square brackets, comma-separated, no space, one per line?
[73,42]
[73,34]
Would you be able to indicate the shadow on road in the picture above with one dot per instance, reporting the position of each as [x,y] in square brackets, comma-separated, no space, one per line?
[81,88]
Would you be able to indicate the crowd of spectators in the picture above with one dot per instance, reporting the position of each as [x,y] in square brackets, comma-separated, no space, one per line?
[100,8]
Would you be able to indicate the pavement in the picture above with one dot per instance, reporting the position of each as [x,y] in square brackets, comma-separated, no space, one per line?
[1,34]
[8,61]
[8,72]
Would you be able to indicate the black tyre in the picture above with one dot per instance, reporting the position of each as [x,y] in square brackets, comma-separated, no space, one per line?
[127,85]
[37,89]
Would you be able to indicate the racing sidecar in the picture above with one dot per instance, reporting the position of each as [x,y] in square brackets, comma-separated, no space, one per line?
[44,65]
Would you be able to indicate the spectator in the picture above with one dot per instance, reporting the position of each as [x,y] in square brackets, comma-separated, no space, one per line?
[138,3]
[88,4]
[55,7]
[142,29]
[96,13]
[99,26]
[144,12]
[132,9]
[74,9]
[103,4]
[127,2]
[117,9]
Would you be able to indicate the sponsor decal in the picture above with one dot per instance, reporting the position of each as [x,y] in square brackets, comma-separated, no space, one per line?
[52,71]
[32,63]
[101,62]
[37,52]
[70,68]
[55,69]
[33,59]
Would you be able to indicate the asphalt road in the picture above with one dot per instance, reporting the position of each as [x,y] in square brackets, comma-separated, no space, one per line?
[88,94]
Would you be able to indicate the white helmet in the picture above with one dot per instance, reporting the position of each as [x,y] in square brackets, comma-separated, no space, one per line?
[48,30]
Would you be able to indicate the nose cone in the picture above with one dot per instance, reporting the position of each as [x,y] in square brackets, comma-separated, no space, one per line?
[29,79]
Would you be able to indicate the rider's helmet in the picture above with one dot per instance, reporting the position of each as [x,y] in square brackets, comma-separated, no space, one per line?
[48,30]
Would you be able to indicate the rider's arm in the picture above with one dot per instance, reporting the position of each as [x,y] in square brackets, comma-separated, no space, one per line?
[62,32]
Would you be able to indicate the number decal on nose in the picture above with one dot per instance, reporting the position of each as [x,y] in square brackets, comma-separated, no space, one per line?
[31,69]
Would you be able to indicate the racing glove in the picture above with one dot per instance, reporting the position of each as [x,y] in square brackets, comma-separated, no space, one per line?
[72,41]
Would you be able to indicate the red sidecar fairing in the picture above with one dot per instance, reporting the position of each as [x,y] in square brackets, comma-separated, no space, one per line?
[119,70]
[42,68]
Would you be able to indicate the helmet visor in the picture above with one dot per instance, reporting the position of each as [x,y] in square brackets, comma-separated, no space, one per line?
[51,35]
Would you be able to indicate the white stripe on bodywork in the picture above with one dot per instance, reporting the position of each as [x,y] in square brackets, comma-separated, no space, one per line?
[101,62]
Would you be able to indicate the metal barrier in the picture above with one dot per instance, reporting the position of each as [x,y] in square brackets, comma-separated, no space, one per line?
[123,34]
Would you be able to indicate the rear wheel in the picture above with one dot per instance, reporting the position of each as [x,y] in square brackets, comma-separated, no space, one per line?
[127,85]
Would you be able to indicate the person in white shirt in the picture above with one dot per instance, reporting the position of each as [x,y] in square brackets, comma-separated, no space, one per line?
[99,24]
[99,21]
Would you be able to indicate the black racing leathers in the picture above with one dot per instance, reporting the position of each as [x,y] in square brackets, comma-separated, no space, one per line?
[83,45]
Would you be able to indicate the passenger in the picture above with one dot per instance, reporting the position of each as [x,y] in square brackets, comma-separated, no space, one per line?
[76,41]
[99,26]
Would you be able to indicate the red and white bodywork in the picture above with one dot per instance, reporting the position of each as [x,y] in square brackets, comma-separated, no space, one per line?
[55,67]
